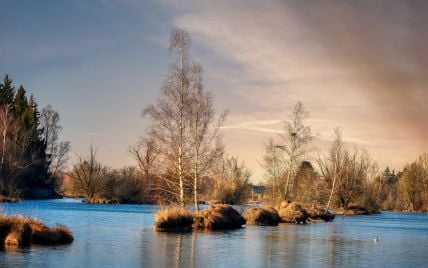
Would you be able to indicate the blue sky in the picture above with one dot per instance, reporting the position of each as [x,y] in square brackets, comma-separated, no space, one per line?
[354,64]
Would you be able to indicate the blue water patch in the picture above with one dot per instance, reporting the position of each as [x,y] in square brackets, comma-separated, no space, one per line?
[122,236]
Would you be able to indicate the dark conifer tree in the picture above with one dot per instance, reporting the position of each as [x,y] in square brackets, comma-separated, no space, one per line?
[7,92]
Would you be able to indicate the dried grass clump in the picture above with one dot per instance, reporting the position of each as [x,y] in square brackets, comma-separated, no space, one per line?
[292,212]
[262,216]
[218,217]
[100,200]
[18,231]
[173,219]
[319,214]
[19,235]
[53,236]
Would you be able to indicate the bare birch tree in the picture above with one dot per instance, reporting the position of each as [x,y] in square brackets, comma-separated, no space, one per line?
[204,129]
[295,143]
[329,165]
[345,171]
[169,116]
[7,123]
[9,163]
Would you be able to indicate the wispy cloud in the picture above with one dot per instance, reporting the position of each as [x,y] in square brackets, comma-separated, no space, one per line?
[262,126]
[355,64]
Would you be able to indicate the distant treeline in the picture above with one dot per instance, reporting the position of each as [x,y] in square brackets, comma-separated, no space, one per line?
[31,158]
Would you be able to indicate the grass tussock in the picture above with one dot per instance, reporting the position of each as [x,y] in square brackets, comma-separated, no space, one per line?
[262,216]
[18,231]
[53,236]
[218,217]
[319,214]
[292,212]
[100,200]
[173,219]
[355,209]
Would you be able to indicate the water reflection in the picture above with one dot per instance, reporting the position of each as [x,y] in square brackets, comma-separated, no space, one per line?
[122,236]
[328,245]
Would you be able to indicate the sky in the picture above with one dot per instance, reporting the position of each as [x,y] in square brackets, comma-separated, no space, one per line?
[357,64]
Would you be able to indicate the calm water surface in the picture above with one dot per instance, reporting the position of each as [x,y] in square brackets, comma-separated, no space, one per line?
[122,236]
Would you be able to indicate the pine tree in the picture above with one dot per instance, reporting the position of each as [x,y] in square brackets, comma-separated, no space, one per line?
[7,92]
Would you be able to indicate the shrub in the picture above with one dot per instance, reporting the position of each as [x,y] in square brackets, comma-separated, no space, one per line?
[233,182]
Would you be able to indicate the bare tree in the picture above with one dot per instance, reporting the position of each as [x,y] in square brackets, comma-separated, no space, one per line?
[423,162]
[329,165]
[233,181]
[10,155]
[87,174]
[145,153]
[274,168]
[204,133]
[169,116]
[56,152]
[346,172]
[7,123]
[413,185]
[295,143]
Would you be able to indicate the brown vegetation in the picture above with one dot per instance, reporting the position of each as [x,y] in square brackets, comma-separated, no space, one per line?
[292,212]
[100,200]
[218,217]
[413,186]
[53,236]
[262,216]
[18,231]
[354,209]
[173,219]
[8,199]
[101,185]
[316,213]
[232,182]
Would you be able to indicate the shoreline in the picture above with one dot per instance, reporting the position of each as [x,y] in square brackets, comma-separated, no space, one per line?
[82,200]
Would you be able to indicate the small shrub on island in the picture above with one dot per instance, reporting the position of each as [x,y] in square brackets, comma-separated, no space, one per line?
[173,219]
[262,216]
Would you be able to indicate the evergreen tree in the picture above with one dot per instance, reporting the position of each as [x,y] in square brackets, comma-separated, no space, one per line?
[7,92]
[27,163]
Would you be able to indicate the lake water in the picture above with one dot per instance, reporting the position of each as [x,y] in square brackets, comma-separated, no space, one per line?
[122,236]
